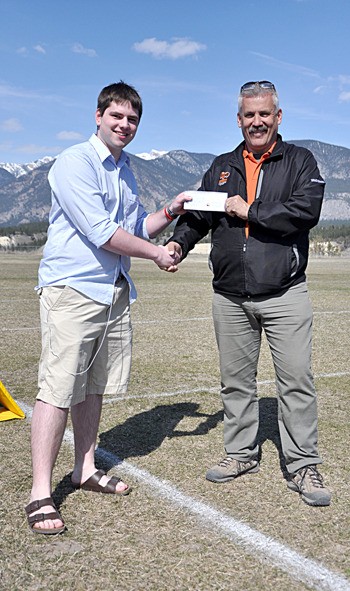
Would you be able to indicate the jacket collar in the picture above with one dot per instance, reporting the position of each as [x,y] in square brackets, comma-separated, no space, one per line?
[236,157]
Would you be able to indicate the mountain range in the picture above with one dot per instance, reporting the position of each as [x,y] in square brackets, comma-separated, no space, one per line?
[25,192]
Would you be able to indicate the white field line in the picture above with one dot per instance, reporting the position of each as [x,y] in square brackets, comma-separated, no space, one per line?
[263,547]
[160,321]
[214,389]
[332,312]
[165,321]
[22,329]
[336,374]
[161,394]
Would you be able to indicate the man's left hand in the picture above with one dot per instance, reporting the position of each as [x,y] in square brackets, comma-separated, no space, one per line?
[235,205]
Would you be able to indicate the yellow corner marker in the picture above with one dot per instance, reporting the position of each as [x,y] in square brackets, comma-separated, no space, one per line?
[9,409]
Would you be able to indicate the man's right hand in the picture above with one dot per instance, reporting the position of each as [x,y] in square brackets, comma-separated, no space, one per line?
[168,258]
[174,247]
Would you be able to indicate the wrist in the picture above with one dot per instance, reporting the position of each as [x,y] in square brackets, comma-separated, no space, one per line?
[170,214]
[157,253]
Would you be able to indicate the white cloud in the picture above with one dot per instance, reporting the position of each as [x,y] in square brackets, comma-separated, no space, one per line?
[6,146]
[175,49]
[39,49]
[11,125]
[22,51]
[341,79]
[168,85]
[11,92]
[309,114]
[287,65]
[337,84]
[79,48]
[344,79]
[35,149]
[344,97]
[69,135]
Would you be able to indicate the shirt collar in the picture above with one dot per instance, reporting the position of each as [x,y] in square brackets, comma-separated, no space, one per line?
[104,153]
[250,155]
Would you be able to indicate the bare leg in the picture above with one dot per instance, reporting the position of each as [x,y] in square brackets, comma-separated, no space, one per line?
[48,425]
[86,418]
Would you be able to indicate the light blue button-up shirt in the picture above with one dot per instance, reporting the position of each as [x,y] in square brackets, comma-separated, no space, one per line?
[92,196]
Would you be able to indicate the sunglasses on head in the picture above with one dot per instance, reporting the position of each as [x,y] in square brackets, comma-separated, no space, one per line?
[262,83]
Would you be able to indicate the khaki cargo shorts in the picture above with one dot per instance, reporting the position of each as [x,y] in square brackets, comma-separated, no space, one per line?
[86,345]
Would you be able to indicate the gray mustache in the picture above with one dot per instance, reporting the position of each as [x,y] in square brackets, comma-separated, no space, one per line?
[253,128]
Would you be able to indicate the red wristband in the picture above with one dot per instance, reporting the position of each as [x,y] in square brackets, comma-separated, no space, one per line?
[169,214]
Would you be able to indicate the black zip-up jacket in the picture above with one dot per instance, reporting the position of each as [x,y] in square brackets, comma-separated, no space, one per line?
[287,205]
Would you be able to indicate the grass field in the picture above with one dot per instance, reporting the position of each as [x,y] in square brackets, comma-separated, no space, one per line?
[176,531]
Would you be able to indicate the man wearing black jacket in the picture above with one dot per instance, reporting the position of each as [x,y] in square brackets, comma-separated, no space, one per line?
[258,257]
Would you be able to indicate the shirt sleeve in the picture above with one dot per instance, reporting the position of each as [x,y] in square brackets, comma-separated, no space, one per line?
[301,209]
[76,188]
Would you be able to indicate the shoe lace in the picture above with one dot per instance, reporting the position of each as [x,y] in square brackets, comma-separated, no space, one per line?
[314,475]
[226,462]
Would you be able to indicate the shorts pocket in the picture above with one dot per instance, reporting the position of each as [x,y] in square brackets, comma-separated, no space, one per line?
[51,296]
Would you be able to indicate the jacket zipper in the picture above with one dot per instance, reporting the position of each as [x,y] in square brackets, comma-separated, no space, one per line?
[257,195]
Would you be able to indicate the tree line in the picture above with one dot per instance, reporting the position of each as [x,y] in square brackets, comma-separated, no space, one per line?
[26,229]
[332,231]
[339,232]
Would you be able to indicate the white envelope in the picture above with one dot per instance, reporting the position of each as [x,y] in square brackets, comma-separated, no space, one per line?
[206,200]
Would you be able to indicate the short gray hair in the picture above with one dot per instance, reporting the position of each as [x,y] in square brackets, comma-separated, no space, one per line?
[256,91]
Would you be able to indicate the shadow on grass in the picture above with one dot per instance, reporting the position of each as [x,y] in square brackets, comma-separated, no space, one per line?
[268,428]
[143,433]
[139,435]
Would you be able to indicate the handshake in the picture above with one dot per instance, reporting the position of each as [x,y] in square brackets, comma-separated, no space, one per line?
[169,257]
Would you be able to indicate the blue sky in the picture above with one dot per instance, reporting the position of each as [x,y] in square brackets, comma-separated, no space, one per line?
[187,58]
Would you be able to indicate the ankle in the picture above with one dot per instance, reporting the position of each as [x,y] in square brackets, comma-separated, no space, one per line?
[38,493]
[82,473]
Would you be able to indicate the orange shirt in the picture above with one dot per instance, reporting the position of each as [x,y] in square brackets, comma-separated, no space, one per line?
[252,170]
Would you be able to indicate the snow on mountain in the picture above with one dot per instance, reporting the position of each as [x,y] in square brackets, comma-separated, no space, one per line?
[161,175]
[152,155]
[19,170]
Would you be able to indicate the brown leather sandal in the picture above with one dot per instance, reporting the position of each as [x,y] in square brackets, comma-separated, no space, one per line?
[33,519]
[93,484]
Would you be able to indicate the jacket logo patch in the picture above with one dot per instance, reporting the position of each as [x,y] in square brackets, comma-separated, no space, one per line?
[223,178]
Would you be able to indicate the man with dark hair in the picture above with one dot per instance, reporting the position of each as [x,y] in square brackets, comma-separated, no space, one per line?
[96,224]
[119,92]
[258,257]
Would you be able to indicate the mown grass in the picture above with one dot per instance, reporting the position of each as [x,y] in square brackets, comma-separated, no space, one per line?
[146,541]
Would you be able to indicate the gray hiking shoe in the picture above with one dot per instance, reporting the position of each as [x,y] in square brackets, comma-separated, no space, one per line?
[309,483]
[229,468]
